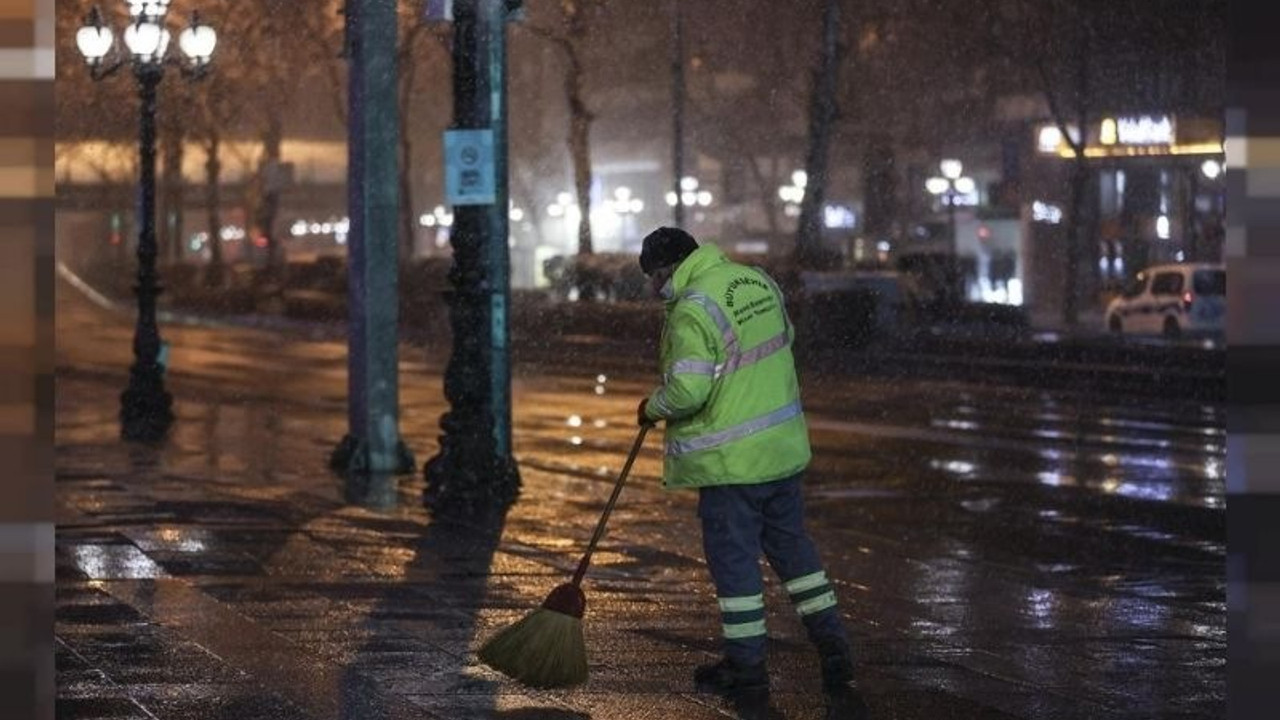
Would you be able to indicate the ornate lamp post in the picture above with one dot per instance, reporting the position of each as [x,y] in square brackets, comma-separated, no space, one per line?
[949,186]
[627,207]
[145,407]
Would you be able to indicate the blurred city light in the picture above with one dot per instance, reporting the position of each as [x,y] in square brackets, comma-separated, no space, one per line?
[1107,133]
[1046,212]
[1145,130]
[838,217]
[1050,138]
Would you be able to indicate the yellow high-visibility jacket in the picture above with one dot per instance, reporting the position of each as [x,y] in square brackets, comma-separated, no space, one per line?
[729,393]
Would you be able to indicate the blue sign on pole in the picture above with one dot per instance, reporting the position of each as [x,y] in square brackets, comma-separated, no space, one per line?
[437,10]
[468,167]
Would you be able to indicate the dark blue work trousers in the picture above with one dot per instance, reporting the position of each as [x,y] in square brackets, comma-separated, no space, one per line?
[740,521]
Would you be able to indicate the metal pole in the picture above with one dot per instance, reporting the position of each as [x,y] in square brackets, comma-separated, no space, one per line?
[494,24]
[475,474]
[372,443]
[951,215]
[677,104]
[1193,226]
[145,407]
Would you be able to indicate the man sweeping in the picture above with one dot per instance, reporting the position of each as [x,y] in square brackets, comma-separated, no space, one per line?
[735,430]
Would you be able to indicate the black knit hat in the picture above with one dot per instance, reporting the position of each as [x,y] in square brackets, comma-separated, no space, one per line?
[665,246]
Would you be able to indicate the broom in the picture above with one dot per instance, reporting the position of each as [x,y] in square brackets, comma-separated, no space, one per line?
[545,648]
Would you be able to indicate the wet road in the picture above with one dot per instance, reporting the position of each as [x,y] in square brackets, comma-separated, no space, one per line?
[998,551]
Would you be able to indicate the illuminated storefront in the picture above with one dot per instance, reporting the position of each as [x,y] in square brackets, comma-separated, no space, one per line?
[1154,195]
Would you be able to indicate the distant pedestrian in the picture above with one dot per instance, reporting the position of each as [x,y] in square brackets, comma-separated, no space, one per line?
[735,430]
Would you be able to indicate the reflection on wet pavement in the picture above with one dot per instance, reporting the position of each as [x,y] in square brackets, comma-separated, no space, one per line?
[1001,553]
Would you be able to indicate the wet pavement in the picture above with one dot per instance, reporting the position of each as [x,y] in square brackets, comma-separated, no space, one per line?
[998,552]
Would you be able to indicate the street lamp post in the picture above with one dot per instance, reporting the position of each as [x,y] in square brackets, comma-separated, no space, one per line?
[475,473]
[677,110]
[626,207]
[145,406]
[793,194]
[950,185]
[1210,169]
[689,195]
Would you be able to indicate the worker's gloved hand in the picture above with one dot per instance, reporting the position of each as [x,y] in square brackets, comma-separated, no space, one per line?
[641,417]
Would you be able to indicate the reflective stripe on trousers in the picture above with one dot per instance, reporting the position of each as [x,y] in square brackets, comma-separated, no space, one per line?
[743,616]
[811,593]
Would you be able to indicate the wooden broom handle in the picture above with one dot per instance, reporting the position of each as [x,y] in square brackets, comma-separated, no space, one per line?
[608,508]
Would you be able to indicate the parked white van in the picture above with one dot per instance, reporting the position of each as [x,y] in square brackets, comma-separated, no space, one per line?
[1172,300]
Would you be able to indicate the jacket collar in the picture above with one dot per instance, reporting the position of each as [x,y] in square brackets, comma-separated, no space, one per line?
[698,262]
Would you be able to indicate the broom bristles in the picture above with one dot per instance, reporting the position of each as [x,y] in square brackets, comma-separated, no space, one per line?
[545,649]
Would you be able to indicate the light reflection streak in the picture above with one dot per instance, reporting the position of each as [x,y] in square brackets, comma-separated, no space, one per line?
[1157,426]
[1213,469]
[1146,461]
[1048,477]
[1139,613]
[125,562]
[1050,434]
[180,541]
[1146,491]
[956,424]
[1042,605]
[957,467]
[1103,439]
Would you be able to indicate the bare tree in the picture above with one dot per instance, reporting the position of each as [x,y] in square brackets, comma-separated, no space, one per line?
[753,144]
[87,109]
[822,116]
[1055,38]
[220,105]
[418,41]
[172,135]
[938,53]
[275,77]
[419,46]
[571,38]
[744,108]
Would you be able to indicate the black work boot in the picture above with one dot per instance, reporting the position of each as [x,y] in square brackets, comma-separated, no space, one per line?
[729,676]
[837,664]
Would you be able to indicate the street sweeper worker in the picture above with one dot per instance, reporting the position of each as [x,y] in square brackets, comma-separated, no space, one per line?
[735,431]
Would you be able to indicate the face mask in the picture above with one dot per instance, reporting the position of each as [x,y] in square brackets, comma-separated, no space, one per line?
[668,290]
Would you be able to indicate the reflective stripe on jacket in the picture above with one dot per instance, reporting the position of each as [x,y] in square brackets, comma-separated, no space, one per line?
[729,394]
